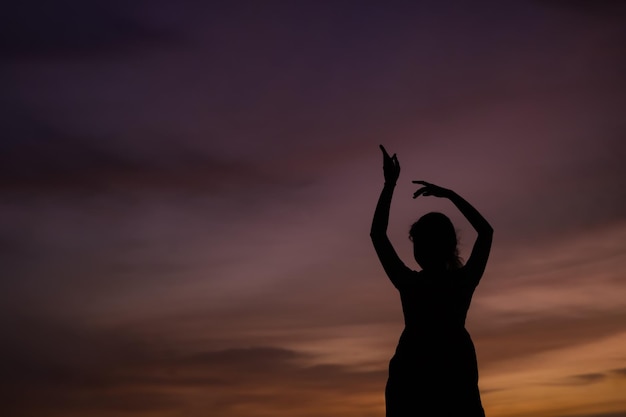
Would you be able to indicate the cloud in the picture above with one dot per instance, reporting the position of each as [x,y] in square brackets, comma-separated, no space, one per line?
[75,370]
[584,379]
[525,339]
[39,157]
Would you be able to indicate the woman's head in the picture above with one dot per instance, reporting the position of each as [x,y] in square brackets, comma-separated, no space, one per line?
[434,242]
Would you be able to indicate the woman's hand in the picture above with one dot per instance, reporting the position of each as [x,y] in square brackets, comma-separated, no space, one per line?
[391,167]
[432,189]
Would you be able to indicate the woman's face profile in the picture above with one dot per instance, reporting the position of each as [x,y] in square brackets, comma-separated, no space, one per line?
[429,255]
[434,241]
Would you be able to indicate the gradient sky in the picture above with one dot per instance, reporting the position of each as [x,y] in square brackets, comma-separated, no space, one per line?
[186,191]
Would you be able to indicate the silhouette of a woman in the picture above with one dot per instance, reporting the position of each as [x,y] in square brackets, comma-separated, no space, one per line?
[434,370]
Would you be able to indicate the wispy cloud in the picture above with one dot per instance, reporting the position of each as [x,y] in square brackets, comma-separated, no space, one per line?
[129,372]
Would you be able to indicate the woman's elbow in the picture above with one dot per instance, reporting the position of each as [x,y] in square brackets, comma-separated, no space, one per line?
[378,236]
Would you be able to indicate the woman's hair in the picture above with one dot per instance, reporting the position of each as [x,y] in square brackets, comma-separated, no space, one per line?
[434,239]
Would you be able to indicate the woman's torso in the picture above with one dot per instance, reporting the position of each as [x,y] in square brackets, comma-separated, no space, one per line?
[435,307]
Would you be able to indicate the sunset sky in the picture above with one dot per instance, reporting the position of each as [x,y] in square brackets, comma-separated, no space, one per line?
[186,191]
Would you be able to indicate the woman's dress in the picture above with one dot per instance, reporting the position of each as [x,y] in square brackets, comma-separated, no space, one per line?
[434,370]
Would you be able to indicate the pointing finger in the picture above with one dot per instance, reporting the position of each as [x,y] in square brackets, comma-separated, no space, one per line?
[382,148]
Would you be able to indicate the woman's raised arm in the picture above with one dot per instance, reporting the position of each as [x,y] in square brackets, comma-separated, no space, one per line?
[391,262]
